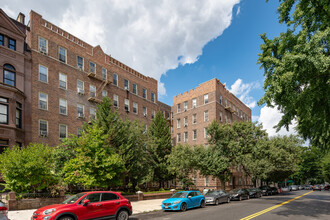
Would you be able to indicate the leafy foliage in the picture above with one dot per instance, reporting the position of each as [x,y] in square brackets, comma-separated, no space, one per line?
[325,163]
[297,72]
[28,168]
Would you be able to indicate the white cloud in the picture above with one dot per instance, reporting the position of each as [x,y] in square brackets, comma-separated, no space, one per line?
[269,117]
[149,36]
[255,118]
[238,10]
[242,90]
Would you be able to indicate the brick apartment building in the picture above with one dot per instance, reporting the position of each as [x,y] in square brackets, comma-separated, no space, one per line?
[15,83]
[193,111]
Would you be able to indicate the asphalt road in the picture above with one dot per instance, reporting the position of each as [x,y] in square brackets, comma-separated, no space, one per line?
[298,205]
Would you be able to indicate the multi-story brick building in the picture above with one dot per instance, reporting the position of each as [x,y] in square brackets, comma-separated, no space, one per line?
[69,77]
[193,111]
[15,83]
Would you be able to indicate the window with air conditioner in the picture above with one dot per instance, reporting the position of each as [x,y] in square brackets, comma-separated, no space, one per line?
[144,111]
[127,105]
[80,87]
[80,111]
[185,121]
[185,106]
[126,84]
[80,62]
[194,103]
[43,128]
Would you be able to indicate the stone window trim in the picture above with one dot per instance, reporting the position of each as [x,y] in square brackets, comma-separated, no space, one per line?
[9,75]
[4,111]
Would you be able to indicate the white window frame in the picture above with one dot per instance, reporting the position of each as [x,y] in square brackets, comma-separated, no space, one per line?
[194,103]
[115,79]
[92,90]
[42,66]
[206,99]
[66,106]
[39,47]
[115,99]
[65,54]
[81,68]
[178,108]
[126,87]
[80,106]
[178,137]
[144,93]
[92,113]
[136,89]
[104,74]
[185,106]
[145,111]
[178,123]
[41,120]
[194,134]
[194,116]
[126,105]
[153,97]
[206,116]
[135,108]
[185,136]
[43,100]
[185,121]
[90,67]
[66,131]
[59,80]
[104,93]
[205,133]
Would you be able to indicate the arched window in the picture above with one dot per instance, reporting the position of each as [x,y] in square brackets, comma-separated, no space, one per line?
[9,75]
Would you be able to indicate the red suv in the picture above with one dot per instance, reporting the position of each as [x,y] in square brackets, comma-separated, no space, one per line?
[87,205]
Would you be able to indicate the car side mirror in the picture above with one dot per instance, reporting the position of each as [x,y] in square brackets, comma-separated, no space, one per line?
[189,197]
[85,202]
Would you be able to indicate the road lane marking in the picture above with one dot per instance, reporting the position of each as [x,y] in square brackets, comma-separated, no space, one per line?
[273,207]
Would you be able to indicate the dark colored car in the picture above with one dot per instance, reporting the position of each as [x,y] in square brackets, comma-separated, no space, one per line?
[184,200]
[266,190]
[87,205]
[3,212]
[274,190]
[239,194]
[216,197]
[327,187]
[255,192]
[316,187]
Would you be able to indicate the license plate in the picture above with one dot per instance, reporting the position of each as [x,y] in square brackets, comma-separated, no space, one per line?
[166,207]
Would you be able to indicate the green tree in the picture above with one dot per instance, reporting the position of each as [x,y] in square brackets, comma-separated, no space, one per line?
[160,146]
[96,164]
[325,164]
[297,72]
[28,169]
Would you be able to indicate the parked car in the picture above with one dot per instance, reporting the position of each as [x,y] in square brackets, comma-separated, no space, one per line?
[3,212]
[301,187]
[294,187]
[316,187]
[239,194]
[184,200]
[87,205]
[307,187]
[216,197]
[274,190]
[286,189]
[327,187]
[266,190]
[255,192]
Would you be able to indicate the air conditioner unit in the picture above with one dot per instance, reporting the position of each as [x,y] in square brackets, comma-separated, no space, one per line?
[185,110]
[145,114]
[43,133]
[185,125]
[126,88]
[43,52]
[80,115]
[81,91]
[80,68]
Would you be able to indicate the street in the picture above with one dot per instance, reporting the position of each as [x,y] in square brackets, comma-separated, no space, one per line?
[302,205]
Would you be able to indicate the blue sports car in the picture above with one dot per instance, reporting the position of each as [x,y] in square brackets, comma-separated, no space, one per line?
[184,200]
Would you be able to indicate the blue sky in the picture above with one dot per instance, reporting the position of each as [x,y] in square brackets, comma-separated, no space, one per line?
[179,43]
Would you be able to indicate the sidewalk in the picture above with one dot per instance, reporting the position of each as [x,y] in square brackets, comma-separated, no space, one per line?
[138,207]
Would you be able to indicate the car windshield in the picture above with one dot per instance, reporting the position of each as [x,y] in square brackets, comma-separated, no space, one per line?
[73,198]
[234,191]
[179,195]
[212,193]
[251,190]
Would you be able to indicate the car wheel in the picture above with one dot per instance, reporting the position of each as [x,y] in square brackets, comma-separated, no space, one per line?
[122,215]
[66,218]
[202,203]
[183,207]
[228,200]
[239,198]
[216,202]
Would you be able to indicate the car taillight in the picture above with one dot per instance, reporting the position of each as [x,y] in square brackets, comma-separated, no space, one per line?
[3,209]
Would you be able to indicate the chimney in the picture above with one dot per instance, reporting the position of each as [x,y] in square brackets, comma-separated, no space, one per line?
[21,18]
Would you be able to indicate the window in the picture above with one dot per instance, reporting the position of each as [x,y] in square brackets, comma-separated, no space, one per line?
[194,118]
[4,143]
[80,63]
[80,87]
[205,133]
[185,137]
[153,97]
[95,197]
[220,99]
[153,113]
[43,101]
[194,103]
[145,112]
[185,106]
[115,79]
[135,108]
[115,100]
[104,93]
[126,84]
[206,116]
[225,102]
[178,123]
[79,132]
[206,98]
[220,116]
[43,45]
[43,128]
[127,105]
[92,113]
[18,115]
[4,110]
[2,40]
[225,118]
[92,91]
[194,134]
[9,75]
[206,181]
[178,107]
[134,88]
[144,93]
[80,110]
[63,131]
[92,67]
[104,74]
[185,121]
[63,106]
[178,137]
[11,44]
[62,54]
[62,80]
[43,73]
[109,196]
